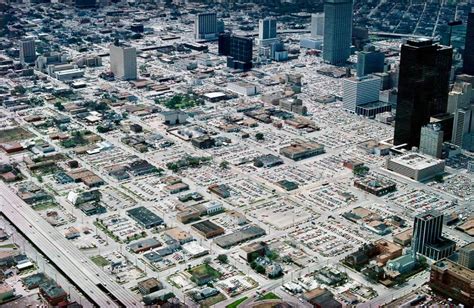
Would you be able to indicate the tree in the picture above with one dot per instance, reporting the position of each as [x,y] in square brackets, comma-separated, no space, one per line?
[18,90]
[259,136]
[260,269]
[59,106]
[207,260]
[224,164]
[439,178]
[223,258]
[360,170]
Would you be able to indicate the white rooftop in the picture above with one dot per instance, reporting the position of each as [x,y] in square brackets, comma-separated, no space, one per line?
[416,161]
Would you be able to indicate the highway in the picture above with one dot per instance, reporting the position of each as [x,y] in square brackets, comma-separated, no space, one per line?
[92,281]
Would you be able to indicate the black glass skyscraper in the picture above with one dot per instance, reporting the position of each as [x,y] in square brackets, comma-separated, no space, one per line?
[423,88]
[468,62]
[427,236]
[240,53]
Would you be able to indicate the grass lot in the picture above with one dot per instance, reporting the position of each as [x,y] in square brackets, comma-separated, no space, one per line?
[14,134]
[268,296]
[202,272]
[208,302]
[100,261]
[237,303]
[10,246]
[44,206]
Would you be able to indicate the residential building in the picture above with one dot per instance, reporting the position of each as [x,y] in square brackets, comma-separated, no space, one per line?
[423,88]
[337,31]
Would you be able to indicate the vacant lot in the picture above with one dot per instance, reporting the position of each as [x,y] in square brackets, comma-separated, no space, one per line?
[14,134]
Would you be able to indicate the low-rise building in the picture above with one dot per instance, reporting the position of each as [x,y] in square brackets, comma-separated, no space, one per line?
[267,161]
[144,245]
[212,207]
[375,186]
[208,229]
[179,235]
[453,280]
[242,88]
[144,217]
[244,234]
[149,285]
[301,150]
[403,238]
[254,250]
[416,166]
[194,250]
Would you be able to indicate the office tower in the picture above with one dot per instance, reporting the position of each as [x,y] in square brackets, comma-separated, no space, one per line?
[27,51]
[466,256]
[205,26]
[337,31]
[224,44]
[445,122]
[317,25]
[278,51]
[431,140]
[460,96]
[468,58]
[427,236]
[123,62]
[459,104]
[463,121]
[359,91]
[423,88]
[267,31]
[240,53]
[370,61]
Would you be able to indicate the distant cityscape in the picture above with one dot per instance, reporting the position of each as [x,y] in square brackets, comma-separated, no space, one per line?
[260,153]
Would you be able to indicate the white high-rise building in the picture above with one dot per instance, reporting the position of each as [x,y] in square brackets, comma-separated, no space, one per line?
[267,31]
[317,25]
[431,140]
[123,62]
[27,51]
[205,26]
[359,91]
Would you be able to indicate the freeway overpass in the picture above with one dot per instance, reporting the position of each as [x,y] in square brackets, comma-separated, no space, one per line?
[99,288]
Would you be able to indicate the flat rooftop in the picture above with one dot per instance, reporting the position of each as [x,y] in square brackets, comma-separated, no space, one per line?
[416,161]
[455,268]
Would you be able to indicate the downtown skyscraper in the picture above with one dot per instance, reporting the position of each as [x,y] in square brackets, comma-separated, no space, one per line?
[468,58]
[337,31]
[423,88]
